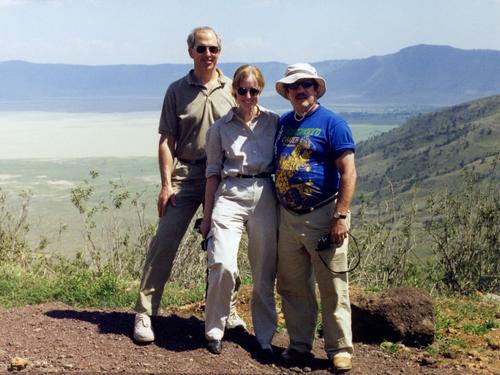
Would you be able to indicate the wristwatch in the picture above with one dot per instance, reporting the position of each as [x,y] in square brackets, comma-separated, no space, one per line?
[337,215]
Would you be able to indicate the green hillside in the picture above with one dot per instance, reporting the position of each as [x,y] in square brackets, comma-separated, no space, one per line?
[430,150]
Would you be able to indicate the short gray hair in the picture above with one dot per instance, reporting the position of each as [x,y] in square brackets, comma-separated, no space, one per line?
[191,39]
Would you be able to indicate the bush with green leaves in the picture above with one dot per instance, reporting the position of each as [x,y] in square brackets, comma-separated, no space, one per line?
[112,238]
[464,225]
[386,244]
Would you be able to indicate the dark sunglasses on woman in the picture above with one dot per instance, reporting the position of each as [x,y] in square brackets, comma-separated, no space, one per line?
[243,91]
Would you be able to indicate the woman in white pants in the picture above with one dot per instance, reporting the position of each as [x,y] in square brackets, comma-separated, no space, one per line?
[239,195]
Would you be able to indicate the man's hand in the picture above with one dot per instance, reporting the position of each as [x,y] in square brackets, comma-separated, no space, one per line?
[166,194]
[338,231]
[204,228]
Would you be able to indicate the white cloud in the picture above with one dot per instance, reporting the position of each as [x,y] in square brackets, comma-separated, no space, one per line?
[10,3]
[61,183]
[4,177]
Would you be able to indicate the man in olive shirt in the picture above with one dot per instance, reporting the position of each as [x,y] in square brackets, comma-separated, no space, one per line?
[191,105]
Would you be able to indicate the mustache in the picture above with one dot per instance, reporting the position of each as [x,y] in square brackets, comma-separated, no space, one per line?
[301,96]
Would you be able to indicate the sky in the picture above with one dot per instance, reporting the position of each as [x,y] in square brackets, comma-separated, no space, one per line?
[103,32]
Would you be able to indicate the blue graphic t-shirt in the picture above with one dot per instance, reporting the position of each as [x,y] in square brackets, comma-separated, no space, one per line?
[305,154]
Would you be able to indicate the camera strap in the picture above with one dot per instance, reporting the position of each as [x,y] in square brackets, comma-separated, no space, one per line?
[358,260]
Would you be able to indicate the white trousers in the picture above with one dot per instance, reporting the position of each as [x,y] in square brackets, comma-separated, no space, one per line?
[242,203]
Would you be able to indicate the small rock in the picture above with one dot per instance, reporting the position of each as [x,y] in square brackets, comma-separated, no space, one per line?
[17,364]
[404,348]
[307,369]
[473,354]
[428,361]
[492,343]
[68,366]
[450,354]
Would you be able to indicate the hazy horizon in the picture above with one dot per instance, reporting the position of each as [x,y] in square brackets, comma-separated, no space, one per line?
[189,63]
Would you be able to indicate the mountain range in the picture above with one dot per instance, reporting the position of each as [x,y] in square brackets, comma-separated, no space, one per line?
[422,75]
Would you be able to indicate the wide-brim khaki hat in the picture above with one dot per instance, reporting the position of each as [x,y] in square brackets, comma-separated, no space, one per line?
[298,71]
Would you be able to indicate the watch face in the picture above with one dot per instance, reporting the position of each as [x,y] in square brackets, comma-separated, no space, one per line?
[338,215]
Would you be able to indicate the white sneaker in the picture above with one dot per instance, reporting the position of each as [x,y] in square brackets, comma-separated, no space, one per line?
[234,321]
[143,331]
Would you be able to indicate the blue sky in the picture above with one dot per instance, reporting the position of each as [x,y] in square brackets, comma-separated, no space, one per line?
[154,31]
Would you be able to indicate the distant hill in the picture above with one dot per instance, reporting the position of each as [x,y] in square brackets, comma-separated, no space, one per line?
[414,76]
[430,150]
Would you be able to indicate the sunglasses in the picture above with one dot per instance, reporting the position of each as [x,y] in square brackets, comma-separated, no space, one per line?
[305,84]
[202,49]
[243,91]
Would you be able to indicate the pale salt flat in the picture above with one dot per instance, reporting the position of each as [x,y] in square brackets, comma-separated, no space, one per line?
[26,135]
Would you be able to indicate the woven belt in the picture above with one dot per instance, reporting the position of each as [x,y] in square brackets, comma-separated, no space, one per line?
[258,175]
[192,162]
[302,211]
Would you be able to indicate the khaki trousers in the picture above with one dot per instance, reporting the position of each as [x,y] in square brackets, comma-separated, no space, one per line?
[188,182]
[299,266]
[242,203]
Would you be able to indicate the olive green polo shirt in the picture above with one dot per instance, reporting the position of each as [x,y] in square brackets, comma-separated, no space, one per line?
[189,109]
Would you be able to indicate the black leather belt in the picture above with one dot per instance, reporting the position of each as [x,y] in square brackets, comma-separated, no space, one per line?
[258,175]
[192,162]
[302,211]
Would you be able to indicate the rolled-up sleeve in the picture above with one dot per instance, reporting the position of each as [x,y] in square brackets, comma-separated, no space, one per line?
[214,151]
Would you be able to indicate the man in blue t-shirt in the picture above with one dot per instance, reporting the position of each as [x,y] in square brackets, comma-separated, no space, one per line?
[315,182]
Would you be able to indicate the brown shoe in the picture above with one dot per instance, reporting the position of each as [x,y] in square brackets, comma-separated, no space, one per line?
[342,363]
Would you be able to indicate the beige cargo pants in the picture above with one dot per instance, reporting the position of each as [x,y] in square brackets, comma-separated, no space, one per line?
[300,268]
[242,203]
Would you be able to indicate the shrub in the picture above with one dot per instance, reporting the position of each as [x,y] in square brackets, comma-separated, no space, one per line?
[464,226]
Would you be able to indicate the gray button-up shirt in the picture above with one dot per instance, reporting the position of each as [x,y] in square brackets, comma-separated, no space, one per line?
[233,147]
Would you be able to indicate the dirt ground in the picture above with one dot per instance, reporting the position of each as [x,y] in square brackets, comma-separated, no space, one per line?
[55,337]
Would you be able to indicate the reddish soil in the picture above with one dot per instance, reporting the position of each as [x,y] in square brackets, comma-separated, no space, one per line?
[55,337]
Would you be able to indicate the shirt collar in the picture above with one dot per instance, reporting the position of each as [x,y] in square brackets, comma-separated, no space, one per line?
[231,115]
[191,78]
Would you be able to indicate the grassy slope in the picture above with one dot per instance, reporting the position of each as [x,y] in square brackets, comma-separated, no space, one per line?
[429,150]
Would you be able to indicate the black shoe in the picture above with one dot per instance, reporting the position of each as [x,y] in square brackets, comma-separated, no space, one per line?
[266,356]
[293,356]
[215,346]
